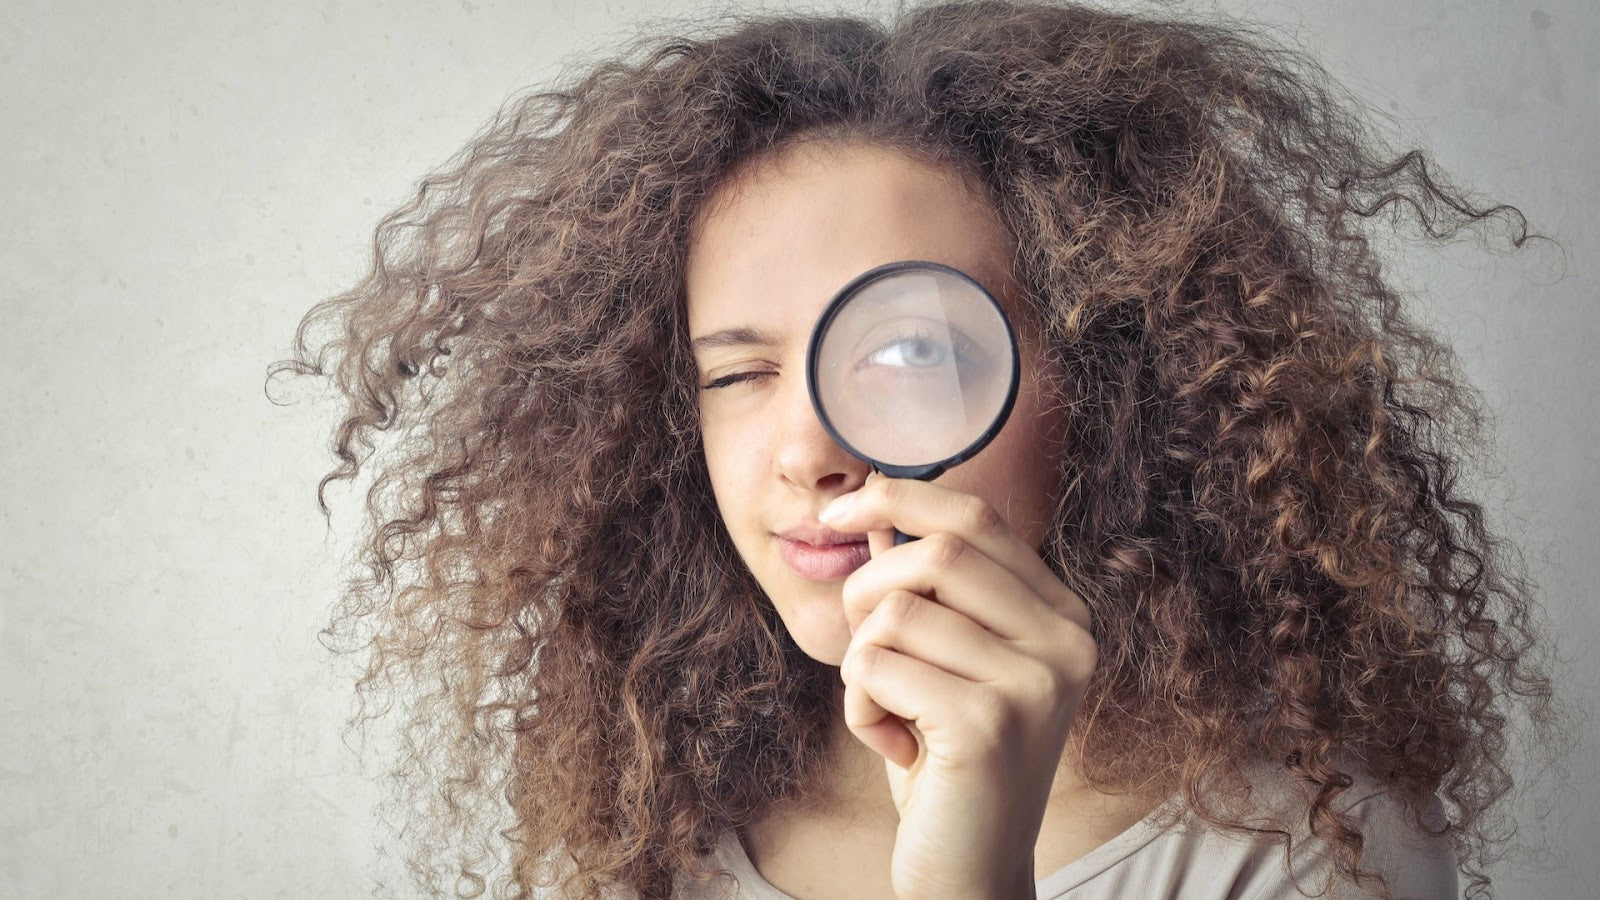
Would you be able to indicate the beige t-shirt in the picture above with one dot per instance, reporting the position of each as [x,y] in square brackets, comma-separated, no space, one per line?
[1189,860]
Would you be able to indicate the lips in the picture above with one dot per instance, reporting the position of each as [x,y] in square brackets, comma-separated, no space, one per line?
[817,553]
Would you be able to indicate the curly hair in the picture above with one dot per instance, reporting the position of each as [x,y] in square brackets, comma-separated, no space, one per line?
[1261,497]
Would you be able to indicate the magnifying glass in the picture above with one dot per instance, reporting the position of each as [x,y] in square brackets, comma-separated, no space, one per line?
[912,368]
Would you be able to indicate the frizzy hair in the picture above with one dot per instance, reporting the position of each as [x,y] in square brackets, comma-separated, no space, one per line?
[1259,500]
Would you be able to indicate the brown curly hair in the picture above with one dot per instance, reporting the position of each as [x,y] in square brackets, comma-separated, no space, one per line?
[1260,489]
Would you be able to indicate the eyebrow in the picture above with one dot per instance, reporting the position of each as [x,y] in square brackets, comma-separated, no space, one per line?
[742,336]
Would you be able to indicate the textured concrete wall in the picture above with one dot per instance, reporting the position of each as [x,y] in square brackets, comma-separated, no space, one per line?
[182,180]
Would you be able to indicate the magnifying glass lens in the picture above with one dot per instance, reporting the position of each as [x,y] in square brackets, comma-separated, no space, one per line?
[914,366]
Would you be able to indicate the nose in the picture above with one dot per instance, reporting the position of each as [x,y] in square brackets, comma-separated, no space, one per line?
[808,459]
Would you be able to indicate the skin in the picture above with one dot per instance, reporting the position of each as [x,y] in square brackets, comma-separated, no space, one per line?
[963,659]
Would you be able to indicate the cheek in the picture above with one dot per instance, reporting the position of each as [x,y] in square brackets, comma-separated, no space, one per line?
[731,454]
[1016,474]
[718,452]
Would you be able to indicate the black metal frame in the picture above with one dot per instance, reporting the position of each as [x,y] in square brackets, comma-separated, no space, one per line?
[929,471]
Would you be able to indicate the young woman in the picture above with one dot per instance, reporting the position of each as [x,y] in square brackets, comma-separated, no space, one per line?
[1209,618]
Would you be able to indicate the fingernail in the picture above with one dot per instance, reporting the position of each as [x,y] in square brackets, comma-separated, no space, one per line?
[836,509]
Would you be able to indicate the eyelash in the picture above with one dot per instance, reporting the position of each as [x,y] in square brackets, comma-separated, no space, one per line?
[730,380]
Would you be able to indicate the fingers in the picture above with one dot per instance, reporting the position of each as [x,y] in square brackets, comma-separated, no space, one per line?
[887,734]
[905,627]
[910,690]
[930,510]
[945,569]
[965,622]
[879,541]
[924,629]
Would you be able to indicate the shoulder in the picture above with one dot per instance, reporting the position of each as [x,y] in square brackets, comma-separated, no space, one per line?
[1416,858]
[1270,854]
[1410,849]
[726,873]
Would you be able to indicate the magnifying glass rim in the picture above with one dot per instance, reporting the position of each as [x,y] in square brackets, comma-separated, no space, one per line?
[814,346]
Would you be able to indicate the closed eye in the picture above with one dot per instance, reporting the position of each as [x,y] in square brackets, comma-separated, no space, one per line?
[729,380]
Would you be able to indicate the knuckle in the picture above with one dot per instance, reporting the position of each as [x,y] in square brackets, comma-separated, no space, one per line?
[944,549]
[1042,684]
[980,517]
[1082,654]
[888,489]
[993,719]
[900,607]
[862,661]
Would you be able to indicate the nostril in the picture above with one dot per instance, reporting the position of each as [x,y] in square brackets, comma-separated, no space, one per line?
[837,479]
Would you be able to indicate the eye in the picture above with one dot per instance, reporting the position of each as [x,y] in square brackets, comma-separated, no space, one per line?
[909,350]
[730,380]
[916,350]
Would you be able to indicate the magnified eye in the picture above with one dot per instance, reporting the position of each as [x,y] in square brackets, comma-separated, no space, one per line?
[910,349]
[916,351]
[912,365]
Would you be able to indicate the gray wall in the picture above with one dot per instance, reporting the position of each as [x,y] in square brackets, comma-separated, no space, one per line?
[182,181]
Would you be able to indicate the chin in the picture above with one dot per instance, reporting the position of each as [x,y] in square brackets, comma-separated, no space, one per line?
[820,631]
[827,652]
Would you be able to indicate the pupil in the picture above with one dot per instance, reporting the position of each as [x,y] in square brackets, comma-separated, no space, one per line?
[922,353]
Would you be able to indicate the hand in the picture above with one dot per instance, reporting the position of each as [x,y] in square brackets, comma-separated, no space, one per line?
[967,663]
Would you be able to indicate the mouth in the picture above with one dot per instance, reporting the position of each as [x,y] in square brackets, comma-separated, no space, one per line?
[821,554]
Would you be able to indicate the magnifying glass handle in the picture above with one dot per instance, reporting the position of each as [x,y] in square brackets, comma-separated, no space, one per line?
[900,537]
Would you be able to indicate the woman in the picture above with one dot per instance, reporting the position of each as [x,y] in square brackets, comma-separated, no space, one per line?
[1209,618]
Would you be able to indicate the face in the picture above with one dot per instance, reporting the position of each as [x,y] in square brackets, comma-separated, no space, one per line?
[773,246]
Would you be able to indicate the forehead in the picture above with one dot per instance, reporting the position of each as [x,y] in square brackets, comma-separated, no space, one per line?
[781,235]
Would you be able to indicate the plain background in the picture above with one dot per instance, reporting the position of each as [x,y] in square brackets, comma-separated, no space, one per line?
[182,181]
